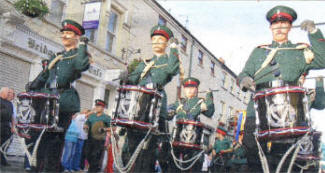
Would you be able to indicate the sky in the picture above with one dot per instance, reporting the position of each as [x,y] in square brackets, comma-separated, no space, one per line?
[232,29]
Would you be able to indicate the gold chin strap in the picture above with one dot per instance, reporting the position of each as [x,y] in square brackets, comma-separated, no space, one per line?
[309,55]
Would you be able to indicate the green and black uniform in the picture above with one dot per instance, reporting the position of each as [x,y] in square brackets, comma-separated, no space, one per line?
[238,160]
[153,73]
[95,147]
[64,68]
[220,163]
[190,109]
[289,61]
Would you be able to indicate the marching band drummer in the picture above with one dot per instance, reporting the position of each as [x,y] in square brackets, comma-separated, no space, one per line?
[157,71]
[192,106]
[153,73]
[281,60]
[63,69]
[221,151]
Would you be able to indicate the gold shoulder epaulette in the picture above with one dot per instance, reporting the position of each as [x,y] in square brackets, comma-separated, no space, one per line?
[304,44]
[263,46]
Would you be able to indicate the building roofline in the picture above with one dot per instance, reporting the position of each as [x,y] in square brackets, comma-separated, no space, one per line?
[194,38]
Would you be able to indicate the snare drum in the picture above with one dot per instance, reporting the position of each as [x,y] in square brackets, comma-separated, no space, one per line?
[37,108]
[191,134]
[137,107]
[282,112]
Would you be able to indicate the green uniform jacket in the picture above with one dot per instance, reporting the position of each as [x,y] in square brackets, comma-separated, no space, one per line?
[319,102]
[190,109]
[93,118]
[239,156]
[65,72]
[221,145]
[164,69]
[290,64]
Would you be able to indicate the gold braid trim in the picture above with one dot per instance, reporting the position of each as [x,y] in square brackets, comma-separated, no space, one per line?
[309,55]
[58,58]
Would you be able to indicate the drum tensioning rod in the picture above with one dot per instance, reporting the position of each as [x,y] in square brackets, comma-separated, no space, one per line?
[208,91]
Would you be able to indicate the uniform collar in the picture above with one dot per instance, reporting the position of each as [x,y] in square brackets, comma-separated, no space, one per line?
[70,52]
[286,44]
[193,98]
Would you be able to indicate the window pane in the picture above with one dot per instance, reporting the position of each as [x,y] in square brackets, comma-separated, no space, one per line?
[112,22]
[200,57]
[109,42]
[106,97]
[184,43]
[56,11]
[91,34]
[162,21]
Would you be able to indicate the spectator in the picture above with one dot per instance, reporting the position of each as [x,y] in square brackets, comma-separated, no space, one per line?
[6,112]
[80,120]
[11,97]
[71,139]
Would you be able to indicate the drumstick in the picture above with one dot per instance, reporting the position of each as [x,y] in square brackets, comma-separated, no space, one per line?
[314,77]
[298,26]
[208,91]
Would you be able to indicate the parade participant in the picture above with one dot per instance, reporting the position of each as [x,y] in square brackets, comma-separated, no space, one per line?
[238,160]
[63,69]
[96,123]
[280,61]
[192,106]
[157,71]
[153,73]
[189,108]
[6,112]
[221,150]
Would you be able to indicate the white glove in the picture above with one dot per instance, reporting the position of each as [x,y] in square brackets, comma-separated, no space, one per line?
[308,25]
[247,83]
[173,42]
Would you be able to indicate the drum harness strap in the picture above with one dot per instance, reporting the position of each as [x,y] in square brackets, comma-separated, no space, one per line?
[178,162]
[195,158]
[4,147]
[295,147]
[32,158]
[117,155]
[309,56]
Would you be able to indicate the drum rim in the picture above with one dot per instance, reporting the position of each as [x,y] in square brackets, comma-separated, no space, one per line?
[139,89]
[195,123]
[37,95]
[187,145]
[278,90]
[288,131]
[124,121]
